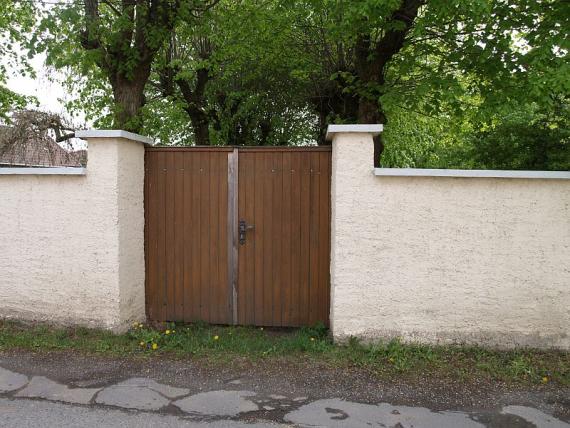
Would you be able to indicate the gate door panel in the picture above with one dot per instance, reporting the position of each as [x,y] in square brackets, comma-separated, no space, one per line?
[186,235]
[284,257]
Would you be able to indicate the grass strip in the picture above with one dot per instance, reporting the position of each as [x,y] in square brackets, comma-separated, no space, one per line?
[221,344]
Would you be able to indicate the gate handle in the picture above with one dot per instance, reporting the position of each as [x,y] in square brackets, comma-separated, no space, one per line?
[243,228]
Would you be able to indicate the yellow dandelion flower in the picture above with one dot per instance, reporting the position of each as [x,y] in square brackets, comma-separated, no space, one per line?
[167,332]
[154,346]
[216,337]
[545,379]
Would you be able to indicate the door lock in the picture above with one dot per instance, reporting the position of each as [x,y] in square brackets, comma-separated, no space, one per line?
[243,228]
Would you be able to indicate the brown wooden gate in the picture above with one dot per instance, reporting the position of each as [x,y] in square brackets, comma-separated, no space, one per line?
[238,235]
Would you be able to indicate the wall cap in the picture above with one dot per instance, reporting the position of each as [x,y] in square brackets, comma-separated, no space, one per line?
[43,171]
[374,129]
[467,173]
[113,133]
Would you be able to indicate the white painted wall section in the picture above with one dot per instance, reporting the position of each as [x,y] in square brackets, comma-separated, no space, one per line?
[72,246]
[479,260]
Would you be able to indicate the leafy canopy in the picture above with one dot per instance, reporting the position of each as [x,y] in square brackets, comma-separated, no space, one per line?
[464,83]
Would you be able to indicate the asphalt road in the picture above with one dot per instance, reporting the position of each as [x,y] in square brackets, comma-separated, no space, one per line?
[30,413]
[77,390]
[20,413]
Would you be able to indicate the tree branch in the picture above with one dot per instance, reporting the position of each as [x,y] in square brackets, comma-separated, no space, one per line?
[90,38]
[112,7]
[401,22]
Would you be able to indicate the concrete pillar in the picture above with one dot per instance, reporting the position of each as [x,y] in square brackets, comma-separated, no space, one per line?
[352,168]
[116,161]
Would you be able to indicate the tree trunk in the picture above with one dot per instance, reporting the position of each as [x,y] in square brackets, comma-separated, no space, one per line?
[129,98]
[370,112]
[264,131]
[371,60]
[196,105]
[200,125]
[323,126]
[378,150]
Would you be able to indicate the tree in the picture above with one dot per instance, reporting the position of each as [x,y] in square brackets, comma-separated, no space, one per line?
[229,75]
[187,85]
[16,21]
[414,53]
[122,39]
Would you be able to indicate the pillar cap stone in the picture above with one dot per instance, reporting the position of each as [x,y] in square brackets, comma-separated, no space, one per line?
[374,129]
[113,133]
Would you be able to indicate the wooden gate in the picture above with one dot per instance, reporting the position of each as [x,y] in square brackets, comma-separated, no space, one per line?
[238,235]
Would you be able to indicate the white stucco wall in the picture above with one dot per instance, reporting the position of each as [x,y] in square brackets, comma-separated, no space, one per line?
[443,260]
[72,246]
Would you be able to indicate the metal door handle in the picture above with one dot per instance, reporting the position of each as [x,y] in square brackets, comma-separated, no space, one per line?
[243,228]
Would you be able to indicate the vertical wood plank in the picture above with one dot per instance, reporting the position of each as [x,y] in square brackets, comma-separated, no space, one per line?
[187,236]
[224,309]
[314,240]
[170,236]
[276,237]
[232,248]
[324,238]
[261,178]
[329,237]
[305,252]
[242,284]
[146,224]
[161,232]
[267,259]
[253,239]
[157,280]
[178,242]
[205,236]
[213,220]
[150,233]
[296,254]
[285,240]
[195,241]
[246,255]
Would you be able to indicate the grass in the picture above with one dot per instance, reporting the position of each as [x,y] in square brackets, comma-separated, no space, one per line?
[222,344]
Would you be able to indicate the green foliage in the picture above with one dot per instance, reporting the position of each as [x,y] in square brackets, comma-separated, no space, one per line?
[415,140]
[16,21]
[58,36]
[516,136]
[528,137]
[252,95]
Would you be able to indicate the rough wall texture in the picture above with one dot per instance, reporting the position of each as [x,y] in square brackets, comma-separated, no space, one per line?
[441,260]
[71,247]
[131,232]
